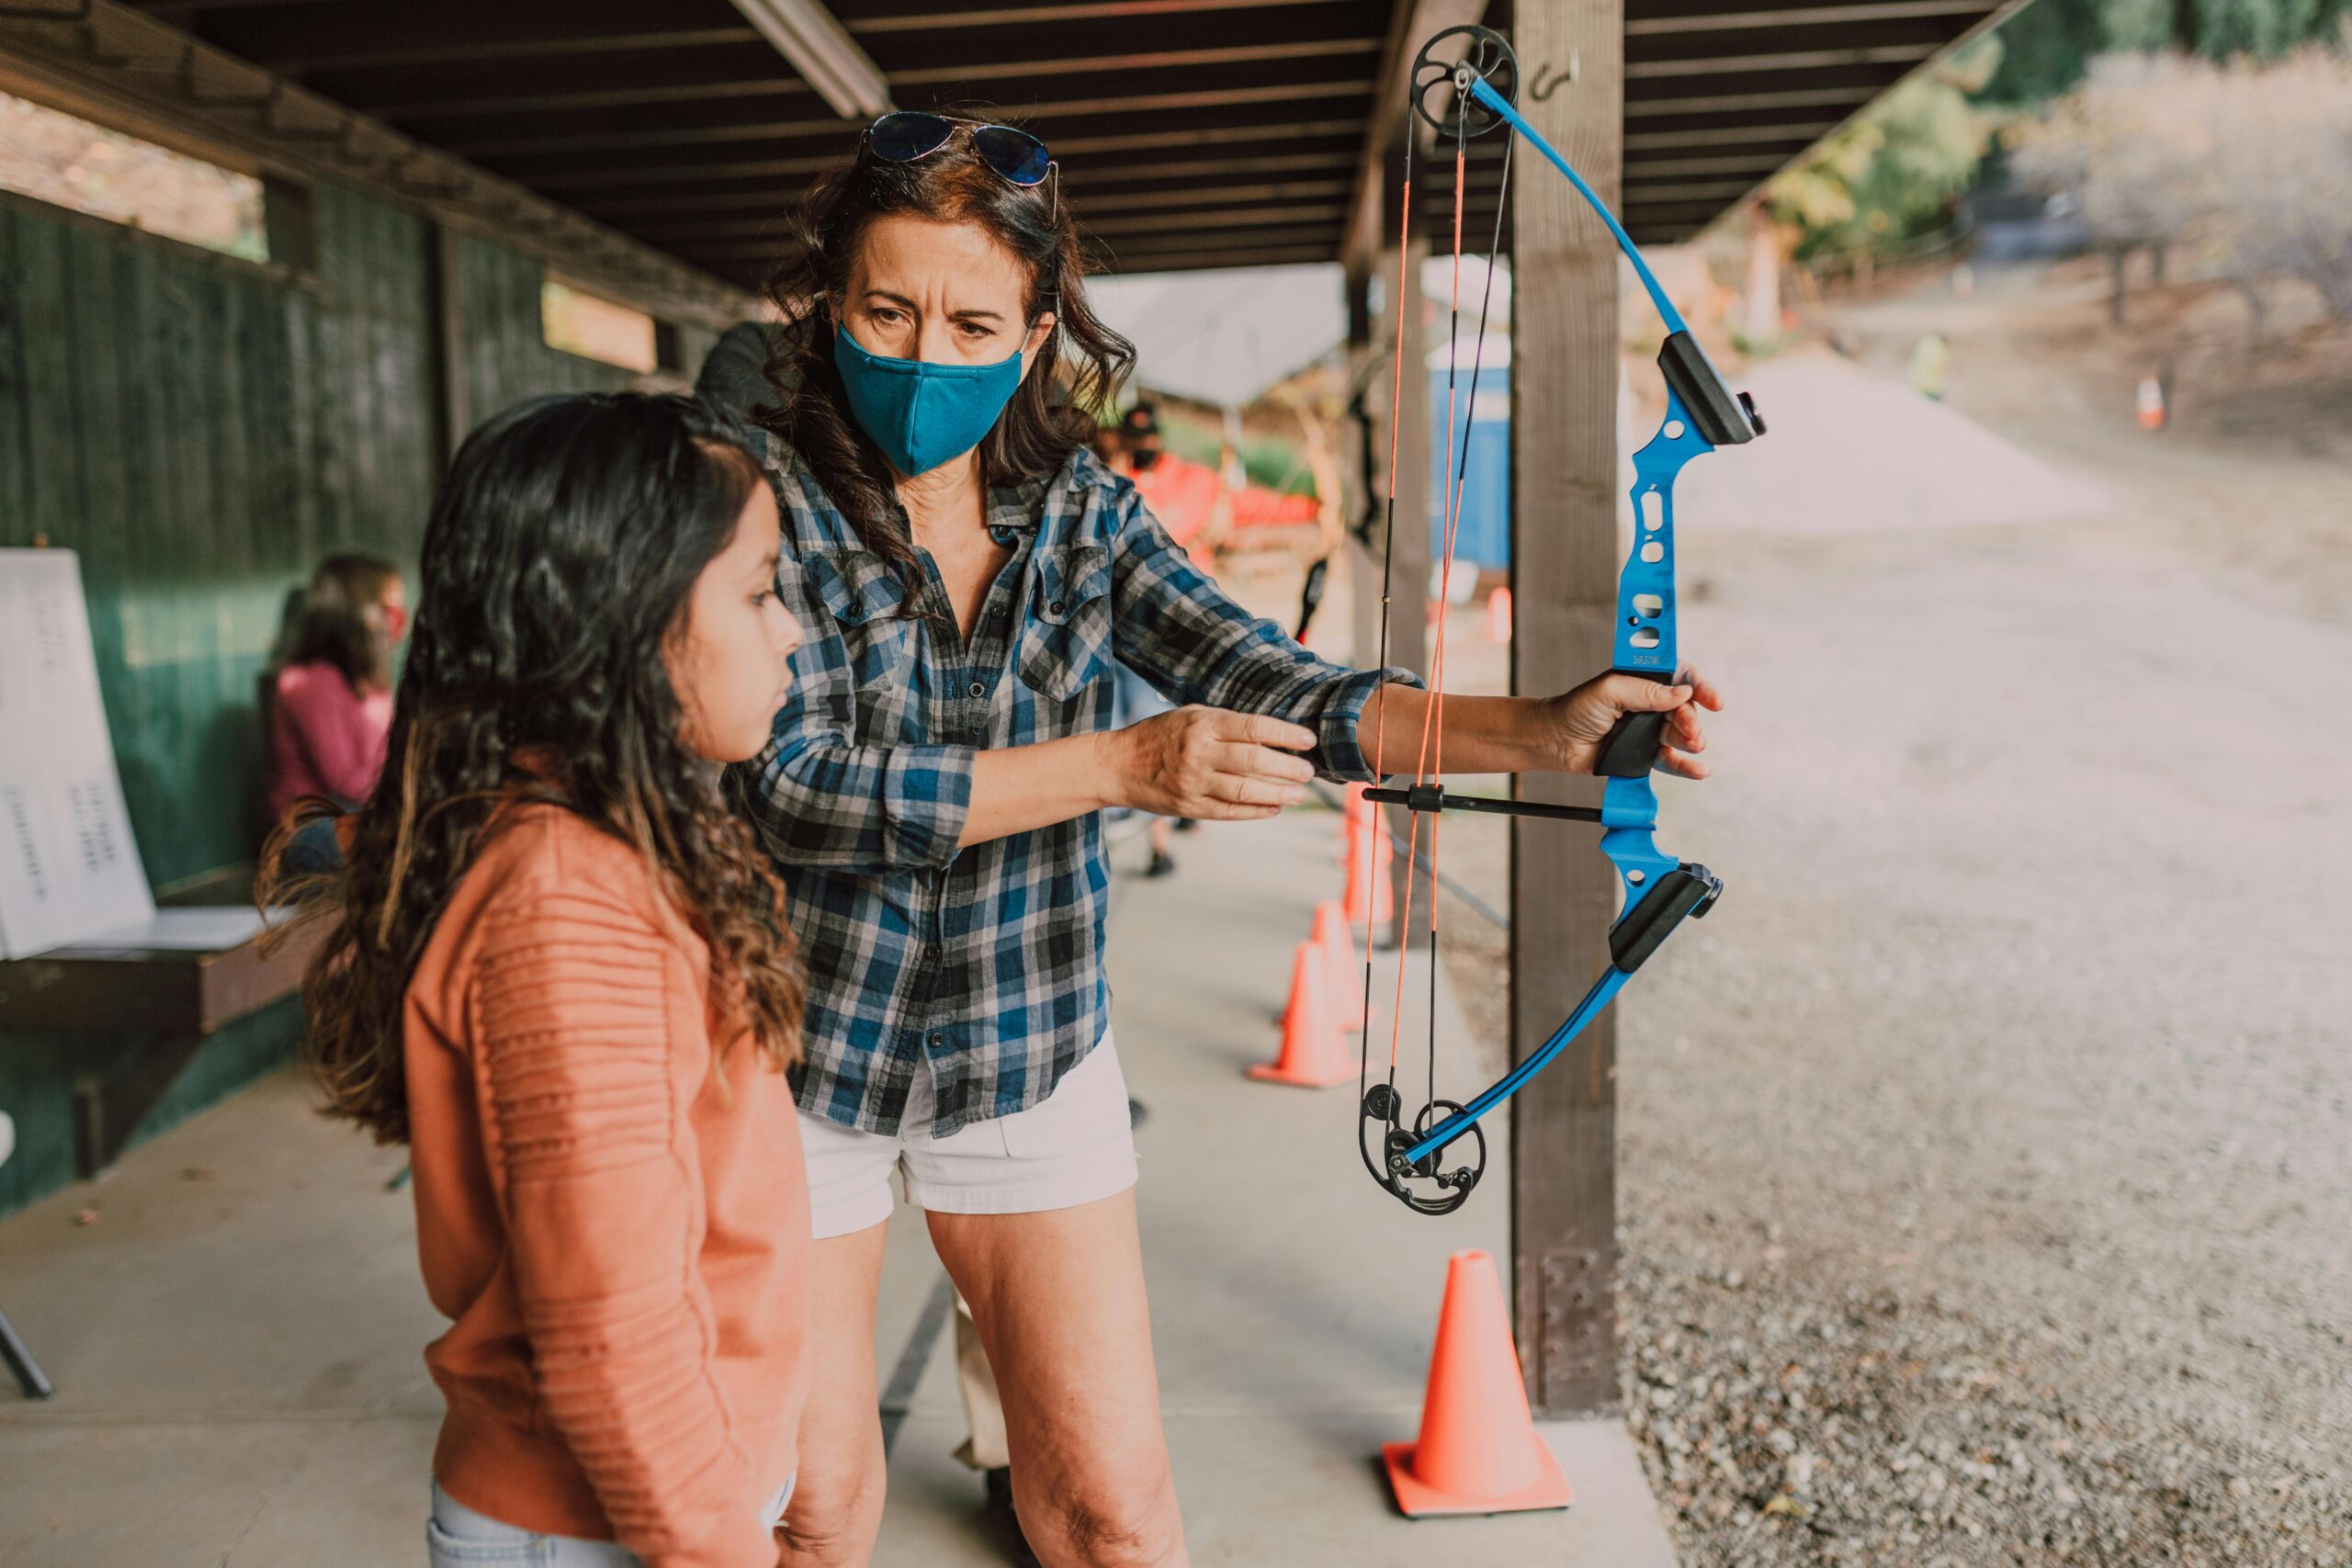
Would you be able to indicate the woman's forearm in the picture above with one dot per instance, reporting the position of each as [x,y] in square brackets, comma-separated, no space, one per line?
[1482,734]
[1017,788]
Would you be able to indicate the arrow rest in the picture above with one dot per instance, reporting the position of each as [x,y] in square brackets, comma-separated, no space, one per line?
[1424,1186]
[1435,74]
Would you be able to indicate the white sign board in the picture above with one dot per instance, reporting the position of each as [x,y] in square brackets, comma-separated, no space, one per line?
[69,868]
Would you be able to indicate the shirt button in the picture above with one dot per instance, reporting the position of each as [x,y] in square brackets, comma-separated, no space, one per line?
[939,1040]
[1054,608]
[980,690]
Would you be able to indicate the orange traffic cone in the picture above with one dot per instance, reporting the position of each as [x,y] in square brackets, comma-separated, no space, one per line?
[1369,893]
[1498,615]
[2152,402]
[1313,1054]
[1341,973]
[1477,1453]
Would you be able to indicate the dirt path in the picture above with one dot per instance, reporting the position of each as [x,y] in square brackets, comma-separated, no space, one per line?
[1985,1170]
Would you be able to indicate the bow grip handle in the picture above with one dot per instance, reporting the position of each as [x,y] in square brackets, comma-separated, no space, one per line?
[1630,748]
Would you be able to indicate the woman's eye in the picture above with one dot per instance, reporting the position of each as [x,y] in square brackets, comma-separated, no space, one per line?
[974,330]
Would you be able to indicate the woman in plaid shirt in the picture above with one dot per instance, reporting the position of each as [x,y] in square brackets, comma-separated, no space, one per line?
[968,573]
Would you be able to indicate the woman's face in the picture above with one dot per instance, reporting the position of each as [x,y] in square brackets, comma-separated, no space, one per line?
[947,293]
[732,667]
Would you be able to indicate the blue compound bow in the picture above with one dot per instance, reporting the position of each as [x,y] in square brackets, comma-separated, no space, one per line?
[1409,1155]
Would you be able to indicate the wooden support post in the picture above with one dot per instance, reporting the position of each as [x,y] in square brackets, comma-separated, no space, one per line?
[1564,568]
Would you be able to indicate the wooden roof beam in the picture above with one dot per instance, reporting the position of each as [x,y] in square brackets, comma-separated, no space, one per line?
[1803,16]
[725,86]
[304,39]
[703,136]
[107,68]
[1148,177]
[1728,135]
[1289,196]
[1848,97]
[1765,64]
[979,16]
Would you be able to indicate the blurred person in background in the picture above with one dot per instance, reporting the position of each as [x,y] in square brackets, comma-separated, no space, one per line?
[970,576]
[328,698]
[1188,498]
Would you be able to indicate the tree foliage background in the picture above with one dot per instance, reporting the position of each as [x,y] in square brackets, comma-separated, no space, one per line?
[2246,165]
[1898,170]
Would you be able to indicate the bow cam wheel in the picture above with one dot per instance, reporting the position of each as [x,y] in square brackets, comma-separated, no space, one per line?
[1486,55]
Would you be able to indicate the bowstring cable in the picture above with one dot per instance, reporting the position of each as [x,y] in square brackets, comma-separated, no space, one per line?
[1460,486]
[1432,721]
[1380,696]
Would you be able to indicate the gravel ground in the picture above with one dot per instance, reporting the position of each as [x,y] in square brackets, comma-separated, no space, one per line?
[1984,1178]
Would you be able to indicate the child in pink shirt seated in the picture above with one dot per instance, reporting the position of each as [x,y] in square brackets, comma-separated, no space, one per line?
[332,699]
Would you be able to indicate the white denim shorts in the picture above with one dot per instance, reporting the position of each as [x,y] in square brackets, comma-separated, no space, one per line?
[458,1537]
[1077,1147]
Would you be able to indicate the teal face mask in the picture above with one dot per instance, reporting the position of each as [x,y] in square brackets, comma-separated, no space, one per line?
[922,415]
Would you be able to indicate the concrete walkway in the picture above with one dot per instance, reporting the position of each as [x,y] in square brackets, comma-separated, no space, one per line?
[235,1332]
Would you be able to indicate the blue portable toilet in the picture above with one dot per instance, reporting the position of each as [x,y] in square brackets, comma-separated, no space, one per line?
[1481,536]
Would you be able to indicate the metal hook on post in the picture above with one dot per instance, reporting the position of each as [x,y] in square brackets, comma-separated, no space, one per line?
[1544,84]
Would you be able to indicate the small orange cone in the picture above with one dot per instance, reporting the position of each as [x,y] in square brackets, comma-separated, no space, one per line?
[1498,615]
[1313,1054]
[1479,1452]
[1341,973]
[1376,901]
[2152,402]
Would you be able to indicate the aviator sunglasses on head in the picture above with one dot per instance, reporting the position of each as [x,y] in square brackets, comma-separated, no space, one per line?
[903,136]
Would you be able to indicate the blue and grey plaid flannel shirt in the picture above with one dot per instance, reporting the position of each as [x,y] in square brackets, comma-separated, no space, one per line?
[982,965]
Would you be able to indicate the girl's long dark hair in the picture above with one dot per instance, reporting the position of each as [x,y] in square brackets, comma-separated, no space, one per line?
[1078,370]
[562,555]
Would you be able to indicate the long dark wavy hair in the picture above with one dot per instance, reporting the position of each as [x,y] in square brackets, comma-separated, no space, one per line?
[1078,370]
[562,555]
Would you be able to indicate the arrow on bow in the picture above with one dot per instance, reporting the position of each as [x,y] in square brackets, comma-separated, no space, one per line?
[1414,1157]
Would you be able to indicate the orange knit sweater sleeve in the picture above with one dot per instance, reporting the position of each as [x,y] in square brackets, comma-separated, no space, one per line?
[585,1085]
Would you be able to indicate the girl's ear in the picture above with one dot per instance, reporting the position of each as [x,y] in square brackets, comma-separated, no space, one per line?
[1039,331]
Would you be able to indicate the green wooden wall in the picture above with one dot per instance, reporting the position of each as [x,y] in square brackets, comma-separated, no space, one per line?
[202,431]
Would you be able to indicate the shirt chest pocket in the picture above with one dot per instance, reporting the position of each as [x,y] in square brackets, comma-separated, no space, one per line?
[863,595]
[1065,636]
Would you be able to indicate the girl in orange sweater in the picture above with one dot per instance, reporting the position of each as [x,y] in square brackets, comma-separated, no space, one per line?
[554,967]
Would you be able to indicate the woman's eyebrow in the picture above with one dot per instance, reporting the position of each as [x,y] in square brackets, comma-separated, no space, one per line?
[977,315]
